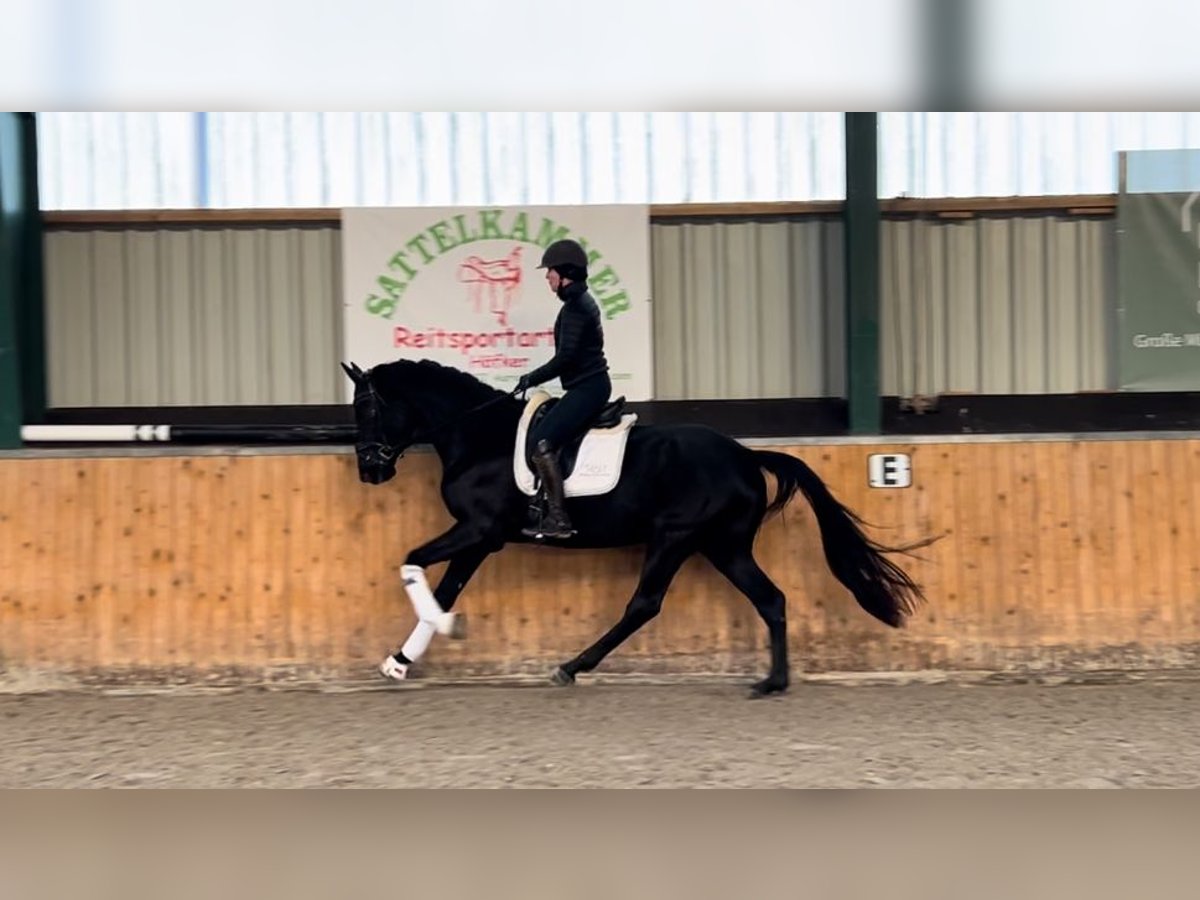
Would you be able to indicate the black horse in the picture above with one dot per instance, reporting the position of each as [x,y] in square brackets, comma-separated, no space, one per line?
[684,489]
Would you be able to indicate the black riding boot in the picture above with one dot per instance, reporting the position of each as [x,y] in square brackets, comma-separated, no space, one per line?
[556,524]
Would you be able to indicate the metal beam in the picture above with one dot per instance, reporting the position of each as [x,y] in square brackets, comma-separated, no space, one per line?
[22,313]
[862,223]
[31,298]
[11,413]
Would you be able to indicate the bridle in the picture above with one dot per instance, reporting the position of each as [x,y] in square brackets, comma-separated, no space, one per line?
[387,453]
[383,452]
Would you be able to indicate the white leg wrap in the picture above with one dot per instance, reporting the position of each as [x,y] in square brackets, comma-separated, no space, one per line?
[424,603]
[393,669]
[414,648]
[418,642]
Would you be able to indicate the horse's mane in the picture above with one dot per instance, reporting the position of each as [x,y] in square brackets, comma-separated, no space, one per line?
[404,376]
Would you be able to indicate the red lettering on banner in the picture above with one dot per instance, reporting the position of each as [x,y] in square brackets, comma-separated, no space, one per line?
[465,341]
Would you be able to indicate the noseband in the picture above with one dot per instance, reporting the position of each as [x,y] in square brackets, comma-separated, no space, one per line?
[380,450]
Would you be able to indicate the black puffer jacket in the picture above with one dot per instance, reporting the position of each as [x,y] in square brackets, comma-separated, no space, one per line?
[578,340]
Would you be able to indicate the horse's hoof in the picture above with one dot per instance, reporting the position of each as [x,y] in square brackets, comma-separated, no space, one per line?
[393,670]
[453,625]
[767,688]
[562,677]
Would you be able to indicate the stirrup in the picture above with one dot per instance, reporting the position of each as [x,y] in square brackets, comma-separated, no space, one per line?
[543,534]
[539,530]
[563,530]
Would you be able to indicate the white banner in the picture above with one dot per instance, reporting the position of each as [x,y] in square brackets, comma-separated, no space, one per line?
[461,286]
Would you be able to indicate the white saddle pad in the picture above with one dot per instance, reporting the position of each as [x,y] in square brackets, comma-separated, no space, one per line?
[597,465]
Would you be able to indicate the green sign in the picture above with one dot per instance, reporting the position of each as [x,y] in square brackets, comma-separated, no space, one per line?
[1158,291]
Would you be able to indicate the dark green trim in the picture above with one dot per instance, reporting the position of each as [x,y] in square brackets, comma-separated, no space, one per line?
[31,305]
[11,414]
[862,274]
[22,303]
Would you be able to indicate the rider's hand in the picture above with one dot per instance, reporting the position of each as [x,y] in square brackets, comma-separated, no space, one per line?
[522,384]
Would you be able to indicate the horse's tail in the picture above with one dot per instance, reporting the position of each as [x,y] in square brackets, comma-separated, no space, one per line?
[880,586]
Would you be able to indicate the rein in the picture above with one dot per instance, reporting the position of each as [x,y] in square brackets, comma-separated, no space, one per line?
[463,415]
[392,453]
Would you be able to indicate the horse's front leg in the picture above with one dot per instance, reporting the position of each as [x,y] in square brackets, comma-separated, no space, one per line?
[461,540]
[466,553]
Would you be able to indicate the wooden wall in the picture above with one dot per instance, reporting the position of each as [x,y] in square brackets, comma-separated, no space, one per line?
[1058,556]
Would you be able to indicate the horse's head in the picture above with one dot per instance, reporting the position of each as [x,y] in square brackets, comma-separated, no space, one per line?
[384,429]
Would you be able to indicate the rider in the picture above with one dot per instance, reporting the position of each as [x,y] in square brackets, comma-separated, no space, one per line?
[580,366]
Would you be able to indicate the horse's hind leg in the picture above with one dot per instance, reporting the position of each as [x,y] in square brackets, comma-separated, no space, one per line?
[662,563]
[740,567]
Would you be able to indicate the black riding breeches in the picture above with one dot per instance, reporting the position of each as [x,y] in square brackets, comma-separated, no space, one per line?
[574,412]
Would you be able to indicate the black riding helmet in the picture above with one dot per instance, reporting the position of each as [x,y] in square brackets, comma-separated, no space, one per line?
[567,258]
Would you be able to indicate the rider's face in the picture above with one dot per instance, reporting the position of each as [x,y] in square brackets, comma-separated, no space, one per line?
[554,280]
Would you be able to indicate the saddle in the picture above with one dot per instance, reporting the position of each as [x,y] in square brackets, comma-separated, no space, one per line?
[591,463]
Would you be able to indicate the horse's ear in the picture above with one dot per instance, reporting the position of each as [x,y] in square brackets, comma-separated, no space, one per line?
[355,373]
